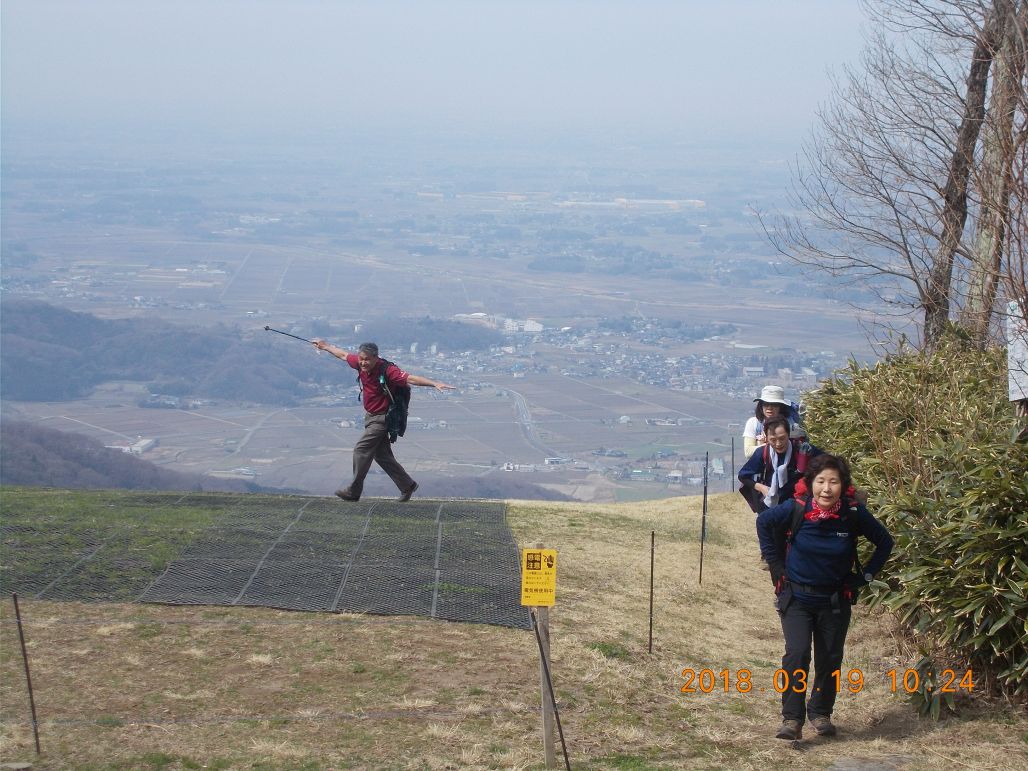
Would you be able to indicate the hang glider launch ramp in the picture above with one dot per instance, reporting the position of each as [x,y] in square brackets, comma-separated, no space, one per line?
[455,560]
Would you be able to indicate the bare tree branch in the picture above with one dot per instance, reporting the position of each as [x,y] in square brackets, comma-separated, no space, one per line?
[913,180]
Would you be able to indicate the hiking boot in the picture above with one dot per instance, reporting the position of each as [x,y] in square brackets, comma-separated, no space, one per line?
[791,730]
[406,494]
[823,725]
[346,495]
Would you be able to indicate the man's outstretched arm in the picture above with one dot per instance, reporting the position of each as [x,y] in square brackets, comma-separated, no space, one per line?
[335,350]
[424,381]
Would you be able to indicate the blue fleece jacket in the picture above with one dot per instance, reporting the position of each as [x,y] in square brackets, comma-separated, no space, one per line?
[821,553]
[758,469]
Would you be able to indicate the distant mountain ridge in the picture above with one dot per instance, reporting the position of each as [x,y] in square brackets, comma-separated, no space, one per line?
[49,353]
[53,354]
[36,456]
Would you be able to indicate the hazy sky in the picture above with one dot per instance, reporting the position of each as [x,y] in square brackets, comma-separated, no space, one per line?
[692,68]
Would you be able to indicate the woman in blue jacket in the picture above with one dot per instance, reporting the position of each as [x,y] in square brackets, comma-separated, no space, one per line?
[810,546]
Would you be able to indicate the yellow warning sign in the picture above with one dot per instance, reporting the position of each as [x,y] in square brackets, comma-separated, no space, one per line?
[538,577]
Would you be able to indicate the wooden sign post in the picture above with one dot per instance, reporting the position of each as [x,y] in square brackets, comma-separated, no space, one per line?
[539,592]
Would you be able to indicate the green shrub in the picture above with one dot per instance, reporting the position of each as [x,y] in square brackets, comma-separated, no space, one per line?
[930,437]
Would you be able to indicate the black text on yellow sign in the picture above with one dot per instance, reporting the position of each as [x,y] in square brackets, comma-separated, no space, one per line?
[538,577]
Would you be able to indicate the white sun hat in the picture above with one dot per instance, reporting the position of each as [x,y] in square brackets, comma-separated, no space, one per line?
[772,394]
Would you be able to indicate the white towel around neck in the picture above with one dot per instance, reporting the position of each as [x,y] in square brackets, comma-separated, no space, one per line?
[779,473]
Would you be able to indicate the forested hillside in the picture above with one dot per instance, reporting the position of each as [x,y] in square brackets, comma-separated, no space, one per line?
[51,354]
[35,456]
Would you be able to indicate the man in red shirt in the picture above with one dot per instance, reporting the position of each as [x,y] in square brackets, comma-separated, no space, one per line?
[374,443]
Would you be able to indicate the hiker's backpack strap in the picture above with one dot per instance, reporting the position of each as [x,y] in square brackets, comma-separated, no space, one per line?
[852,511]
[799,508]
[849,516]
[396,417]
[783,539]
[382,379]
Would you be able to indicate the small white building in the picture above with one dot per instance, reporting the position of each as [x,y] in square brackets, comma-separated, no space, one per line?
[142,445]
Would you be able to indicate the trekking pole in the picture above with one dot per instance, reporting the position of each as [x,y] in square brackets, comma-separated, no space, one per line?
[28,676]
[270,329]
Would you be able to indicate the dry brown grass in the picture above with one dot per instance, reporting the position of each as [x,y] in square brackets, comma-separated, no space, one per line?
[129,686]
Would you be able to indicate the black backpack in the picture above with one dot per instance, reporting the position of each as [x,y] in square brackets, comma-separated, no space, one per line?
[399,404]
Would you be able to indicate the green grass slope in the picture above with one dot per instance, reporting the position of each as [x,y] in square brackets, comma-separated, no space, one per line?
[127,686]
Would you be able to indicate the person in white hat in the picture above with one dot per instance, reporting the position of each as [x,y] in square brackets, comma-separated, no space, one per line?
[771,403]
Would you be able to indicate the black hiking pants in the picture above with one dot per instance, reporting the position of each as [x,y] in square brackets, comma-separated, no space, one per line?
[803,625]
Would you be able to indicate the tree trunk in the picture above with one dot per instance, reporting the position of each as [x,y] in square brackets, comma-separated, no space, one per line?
[1008,89]
[954,212]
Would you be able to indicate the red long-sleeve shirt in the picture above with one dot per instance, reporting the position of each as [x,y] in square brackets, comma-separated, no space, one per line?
[375,399]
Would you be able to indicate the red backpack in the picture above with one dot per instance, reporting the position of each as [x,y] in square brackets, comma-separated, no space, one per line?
[800,448]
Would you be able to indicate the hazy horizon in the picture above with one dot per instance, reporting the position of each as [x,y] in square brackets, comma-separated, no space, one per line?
[743,71]
[322,166]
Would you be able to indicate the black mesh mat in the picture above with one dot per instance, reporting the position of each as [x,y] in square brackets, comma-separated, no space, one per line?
[453,560]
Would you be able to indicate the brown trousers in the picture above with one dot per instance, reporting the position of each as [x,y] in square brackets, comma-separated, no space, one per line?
[374,446]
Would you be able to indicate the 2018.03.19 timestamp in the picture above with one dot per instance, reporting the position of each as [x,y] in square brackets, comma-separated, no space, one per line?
[741,681]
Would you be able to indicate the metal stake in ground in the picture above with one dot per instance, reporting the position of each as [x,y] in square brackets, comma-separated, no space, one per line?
[28,675]
[703,519]
[653,541]
[541,625]
[731,479]
[270,329]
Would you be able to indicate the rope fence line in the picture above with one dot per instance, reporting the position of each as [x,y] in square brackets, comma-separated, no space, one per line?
[353,554]
[70,570]
[435,565]
[271,548]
